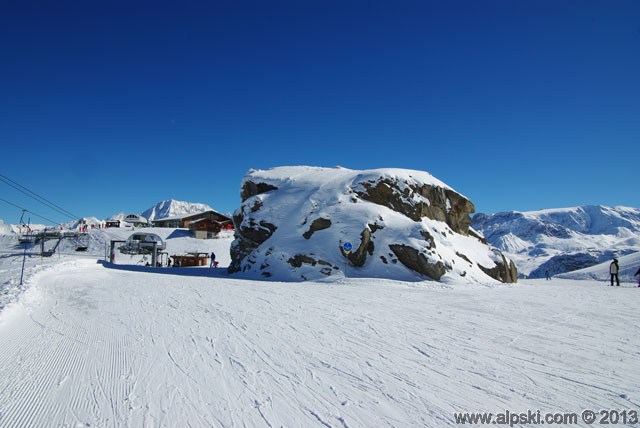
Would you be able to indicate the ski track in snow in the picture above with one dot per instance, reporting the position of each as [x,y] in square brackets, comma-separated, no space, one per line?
[90,346]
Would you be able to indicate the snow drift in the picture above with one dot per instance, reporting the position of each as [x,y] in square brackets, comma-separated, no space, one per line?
[402,224]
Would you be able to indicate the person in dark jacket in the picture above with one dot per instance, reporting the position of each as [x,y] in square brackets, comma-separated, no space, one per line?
[614,269]
[638,275]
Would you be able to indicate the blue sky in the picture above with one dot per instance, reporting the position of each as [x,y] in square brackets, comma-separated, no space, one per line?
[519,105]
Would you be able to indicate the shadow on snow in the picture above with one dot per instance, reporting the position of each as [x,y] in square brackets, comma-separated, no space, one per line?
[179,233]
[180,271]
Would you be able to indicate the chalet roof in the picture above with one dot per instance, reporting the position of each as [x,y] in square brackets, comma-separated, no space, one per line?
[180,217]
[135,218]
[185,216]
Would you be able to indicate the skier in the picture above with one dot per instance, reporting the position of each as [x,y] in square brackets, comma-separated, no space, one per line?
[614,268]
[546,273]
[214,263]
[638,275]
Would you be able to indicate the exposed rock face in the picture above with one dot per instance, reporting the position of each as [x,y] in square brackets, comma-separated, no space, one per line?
[414,260]
[249,189]
[318,224]
[437,203]
[401,224]
[504,270]
[359,256]
[253,234]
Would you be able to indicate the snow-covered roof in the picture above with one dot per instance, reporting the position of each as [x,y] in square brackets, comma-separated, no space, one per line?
[135,218]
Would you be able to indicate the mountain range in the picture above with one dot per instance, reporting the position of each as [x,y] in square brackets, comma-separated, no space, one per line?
[563,239]
[556,240]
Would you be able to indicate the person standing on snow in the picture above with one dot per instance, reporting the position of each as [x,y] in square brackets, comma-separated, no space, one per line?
[638,275]
[214,263]
[546,274]
[614,268]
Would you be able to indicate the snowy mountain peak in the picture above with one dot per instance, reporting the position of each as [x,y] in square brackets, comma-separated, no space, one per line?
[171,208]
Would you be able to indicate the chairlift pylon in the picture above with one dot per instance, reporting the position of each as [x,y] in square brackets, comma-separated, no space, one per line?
[25,236]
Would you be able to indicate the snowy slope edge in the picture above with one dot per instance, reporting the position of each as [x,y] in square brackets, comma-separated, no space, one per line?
[403,224]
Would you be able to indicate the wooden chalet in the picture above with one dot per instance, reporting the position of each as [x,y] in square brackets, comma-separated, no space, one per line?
[205,228]
[203,225]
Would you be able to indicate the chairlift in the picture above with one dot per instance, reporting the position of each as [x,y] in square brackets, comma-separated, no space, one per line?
[82,242]
[26,239]
[142,243]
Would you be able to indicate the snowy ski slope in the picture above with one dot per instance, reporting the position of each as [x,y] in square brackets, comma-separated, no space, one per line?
[90,346]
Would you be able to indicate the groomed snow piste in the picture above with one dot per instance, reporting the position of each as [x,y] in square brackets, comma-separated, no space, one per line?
[86,345]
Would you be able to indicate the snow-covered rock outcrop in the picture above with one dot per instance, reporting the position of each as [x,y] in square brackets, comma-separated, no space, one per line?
[563,239]
[403,224]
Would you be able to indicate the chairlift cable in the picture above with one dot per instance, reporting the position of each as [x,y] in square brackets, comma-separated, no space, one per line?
[34,195]
[37,197]
[47,219]
[29,211]
[60,210]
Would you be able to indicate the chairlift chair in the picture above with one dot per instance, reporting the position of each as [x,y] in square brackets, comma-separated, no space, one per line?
[82,242]
[26,238]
